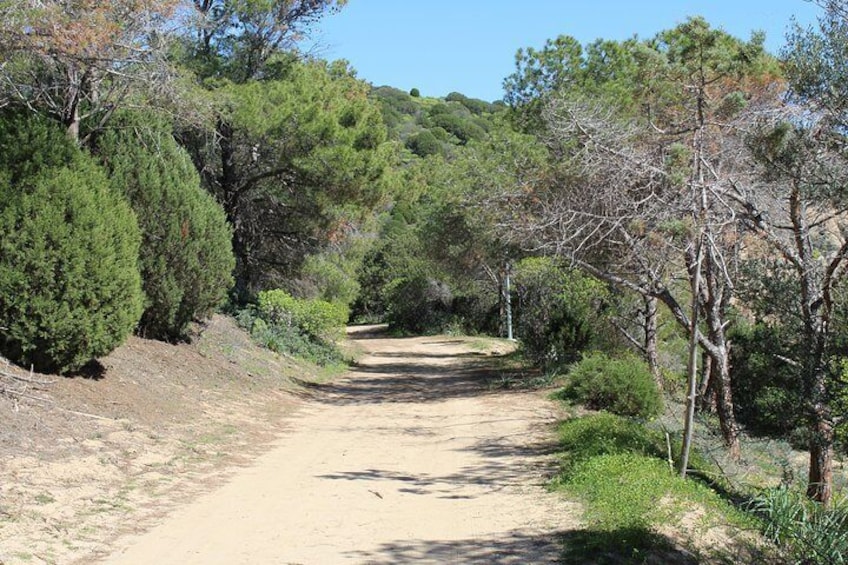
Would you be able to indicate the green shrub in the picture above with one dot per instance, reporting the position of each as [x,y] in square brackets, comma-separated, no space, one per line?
[331,277]
[424,144]
[288,340]
[477,311]
[559,312]
[440,133]
[474,105]
[186,254]
[415,93]
[767,392]
[319,319]
[463,129]
[70,288]
[418,305]
[622,385]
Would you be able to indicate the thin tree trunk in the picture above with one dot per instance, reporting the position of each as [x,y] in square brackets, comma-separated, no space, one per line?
[71,112]
[651,349]
[724,406]
[820,484]
[692,365]
[706,389]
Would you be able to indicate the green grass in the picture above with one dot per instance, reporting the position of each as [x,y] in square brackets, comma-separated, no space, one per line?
[585,438]
[619,469]
[44,498]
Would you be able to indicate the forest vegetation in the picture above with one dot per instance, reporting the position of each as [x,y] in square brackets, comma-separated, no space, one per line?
[670,212]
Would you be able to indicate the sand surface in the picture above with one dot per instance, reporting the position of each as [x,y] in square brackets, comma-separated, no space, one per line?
[411,458]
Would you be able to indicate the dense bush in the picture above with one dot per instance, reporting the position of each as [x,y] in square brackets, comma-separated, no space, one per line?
[440,133]
[463,129]
[394,105]
[331,277]
[767,391]
[288,340]
[395,99]
[477,310]
[418,305]
[558,312]
[186,256]
[474,105]
[415,93]
[318,319]
[424,144]
[304,328]
[70,288]
[622,385]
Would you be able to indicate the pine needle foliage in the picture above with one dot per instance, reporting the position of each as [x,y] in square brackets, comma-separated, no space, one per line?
[69,282]
[186,255]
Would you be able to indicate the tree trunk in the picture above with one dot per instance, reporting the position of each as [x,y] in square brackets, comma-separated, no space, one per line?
[706,389]
[230,199]
[71,113]
[720,361]
[724,404]
[820,485]
[651,349]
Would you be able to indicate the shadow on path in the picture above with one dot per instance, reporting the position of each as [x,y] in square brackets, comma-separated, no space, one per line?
[517,548]
[495,469]
[569,547]
[409,376]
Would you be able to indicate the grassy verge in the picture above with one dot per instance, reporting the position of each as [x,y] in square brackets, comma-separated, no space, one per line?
[638,510]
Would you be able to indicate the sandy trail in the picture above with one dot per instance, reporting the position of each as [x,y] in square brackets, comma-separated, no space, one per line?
[409,459]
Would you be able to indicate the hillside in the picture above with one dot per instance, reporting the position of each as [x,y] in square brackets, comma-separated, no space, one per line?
[434,126]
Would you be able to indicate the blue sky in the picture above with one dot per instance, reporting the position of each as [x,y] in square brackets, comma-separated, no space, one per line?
[468,46]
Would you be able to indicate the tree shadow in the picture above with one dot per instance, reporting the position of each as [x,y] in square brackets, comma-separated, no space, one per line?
[372,331]
[408,382]
[502,463]
[93,370]
[402,355]
[583,547]
[515,548]
[622,546]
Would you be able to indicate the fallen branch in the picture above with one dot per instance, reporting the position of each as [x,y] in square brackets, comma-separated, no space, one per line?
[87,415]
[27,380]
[17,386]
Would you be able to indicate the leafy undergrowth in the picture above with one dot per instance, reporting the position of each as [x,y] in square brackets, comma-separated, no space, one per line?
[807,532]
[291,340]
[638,510]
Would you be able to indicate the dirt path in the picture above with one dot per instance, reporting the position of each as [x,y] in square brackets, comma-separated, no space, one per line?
[409,459]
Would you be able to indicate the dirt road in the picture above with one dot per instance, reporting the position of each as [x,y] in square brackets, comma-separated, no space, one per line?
[409,459]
